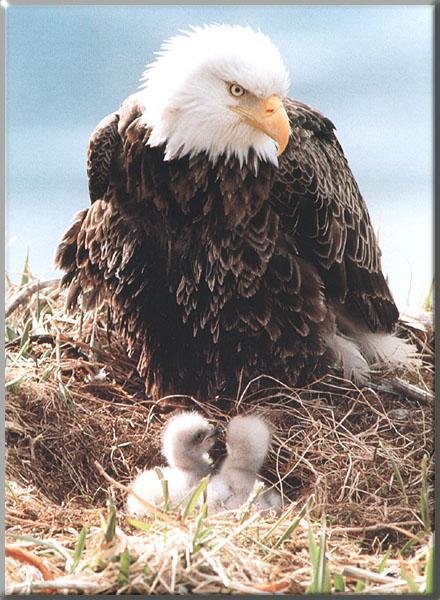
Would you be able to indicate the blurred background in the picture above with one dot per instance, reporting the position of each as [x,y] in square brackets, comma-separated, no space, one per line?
[368,68]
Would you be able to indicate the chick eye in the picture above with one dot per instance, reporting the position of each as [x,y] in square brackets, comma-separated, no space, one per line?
[199,436]
[236,90]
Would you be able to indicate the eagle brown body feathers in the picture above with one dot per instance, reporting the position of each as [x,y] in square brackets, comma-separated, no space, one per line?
[221,272]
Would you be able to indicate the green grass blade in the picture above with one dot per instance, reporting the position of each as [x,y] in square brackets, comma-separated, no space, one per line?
[384,560]
[165,489]
[313,548]
[26,273]
[79,549]
[323,580]
[124,568]
[424,495]
[430,571]
[291,528]
[23,350]
[314,559]
[407,547]
[139,524]
[338,583]
[47,372]
[256,492]
[11,334]
[413,588]
[10,489]
[200,533]
[14,384]
[275,526]
[428,304]
[110,527]
[25,339]
[320,581]
[396,471]
[360,586]
[64,395]
[195,497]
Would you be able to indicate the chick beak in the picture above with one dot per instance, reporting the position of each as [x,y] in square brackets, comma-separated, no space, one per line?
[214,433]
[270,117]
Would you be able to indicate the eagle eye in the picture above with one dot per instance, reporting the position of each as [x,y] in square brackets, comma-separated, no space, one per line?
[236,90]
[200,436]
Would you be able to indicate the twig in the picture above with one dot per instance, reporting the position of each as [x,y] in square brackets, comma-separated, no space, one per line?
[376,527]
[40,338]
[391,587]
[24,294]
[272,586]
[27,557]
[10,517]
[150,507]
[411,390]
[362,574]
[56,584]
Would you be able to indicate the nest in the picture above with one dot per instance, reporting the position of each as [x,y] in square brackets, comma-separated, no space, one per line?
[361,458]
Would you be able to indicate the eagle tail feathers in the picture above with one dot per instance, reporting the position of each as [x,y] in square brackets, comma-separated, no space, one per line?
[389,350]
[349,357]
[357,355]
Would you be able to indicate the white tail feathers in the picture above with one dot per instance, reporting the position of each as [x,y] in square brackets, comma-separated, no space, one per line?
[387,349]
[350,359]
[356,354]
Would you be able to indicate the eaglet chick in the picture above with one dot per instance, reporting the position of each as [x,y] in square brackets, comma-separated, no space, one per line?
[186,441]
[247,441]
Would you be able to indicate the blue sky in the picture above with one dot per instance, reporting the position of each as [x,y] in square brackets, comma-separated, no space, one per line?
[368,68]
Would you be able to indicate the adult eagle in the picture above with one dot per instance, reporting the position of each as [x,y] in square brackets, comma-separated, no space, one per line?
[220,259]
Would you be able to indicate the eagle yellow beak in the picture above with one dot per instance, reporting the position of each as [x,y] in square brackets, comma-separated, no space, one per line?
[269,116]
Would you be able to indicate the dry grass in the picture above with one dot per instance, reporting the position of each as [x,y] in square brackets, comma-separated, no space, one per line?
[360,459]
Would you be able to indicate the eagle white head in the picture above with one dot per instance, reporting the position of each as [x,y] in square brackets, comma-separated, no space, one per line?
[217,90]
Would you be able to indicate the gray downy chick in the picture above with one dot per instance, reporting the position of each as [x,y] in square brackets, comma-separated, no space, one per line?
[247,441]
[186,441]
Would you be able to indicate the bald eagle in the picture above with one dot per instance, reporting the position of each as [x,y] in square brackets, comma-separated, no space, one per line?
[226,231]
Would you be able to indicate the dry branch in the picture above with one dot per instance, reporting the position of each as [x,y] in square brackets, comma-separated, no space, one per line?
[412,391]
[361,574]
[23,295]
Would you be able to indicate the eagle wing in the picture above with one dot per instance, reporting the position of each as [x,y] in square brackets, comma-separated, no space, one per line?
[319,201]
[105,146]
[102,145]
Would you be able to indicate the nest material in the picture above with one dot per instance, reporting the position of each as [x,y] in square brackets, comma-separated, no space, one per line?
[74,397]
